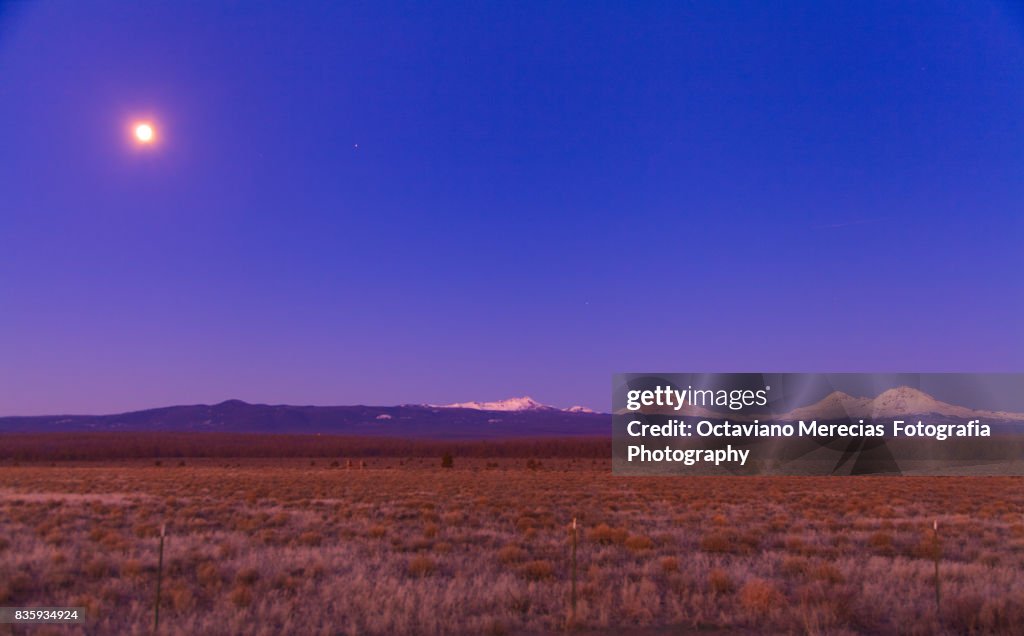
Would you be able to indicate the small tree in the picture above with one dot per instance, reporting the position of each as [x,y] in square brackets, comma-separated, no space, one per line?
[446,460]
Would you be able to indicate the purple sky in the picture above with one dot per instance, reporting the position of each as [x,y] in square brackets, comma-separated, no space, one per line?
[543,194]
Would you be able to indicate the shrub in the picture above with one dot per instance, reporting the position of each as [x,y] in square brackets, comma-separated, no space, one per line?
[452,518]
[524,523]
[421,565]
[314,570]
[442,547]
[719,581]
[828,572]
[285,582]
[538,570]
[605,534]
[758,596]
[716,541]
[511,554]
[928,548]
[795,566]
[247,576]
[132,567]
[181,597]
[241,596]
[880,541]
[208,575]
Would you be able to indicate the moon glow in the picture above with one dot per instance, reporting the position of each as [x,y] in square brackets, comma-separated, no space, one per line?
[144,133]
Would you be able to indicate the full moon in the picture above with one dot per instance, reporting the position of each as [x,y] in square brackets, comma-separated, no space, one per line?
[144,133]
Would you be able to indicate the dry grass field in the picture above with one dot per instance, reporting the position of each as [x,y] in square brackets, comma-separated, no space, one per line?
[404,546]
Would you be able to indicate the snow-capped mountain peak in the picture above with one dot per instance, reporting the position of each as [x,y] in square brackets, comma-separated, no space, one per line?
[524,403]
[905,400]
[835,405]
[579,409]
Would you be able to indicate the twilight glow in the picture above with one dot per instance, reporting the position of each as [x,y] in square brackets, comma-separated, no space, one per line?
[466,202]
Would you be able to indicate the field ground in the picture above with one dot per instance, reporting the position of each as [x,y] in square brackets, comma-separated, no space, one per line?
[404,546]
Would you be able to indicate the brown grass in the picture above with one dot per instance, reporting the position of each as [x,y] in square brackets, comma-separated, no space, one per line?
[403,546]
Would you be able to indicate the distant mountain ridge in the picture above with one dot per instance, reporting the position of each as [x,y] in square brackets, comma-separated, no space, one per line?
[517,417]
[511,418]
[893,403]
[901,401]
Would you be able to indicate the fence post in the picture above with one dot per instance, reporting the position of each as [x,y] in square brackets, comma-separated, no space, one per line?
[573,614]
[159,579]
[937,553]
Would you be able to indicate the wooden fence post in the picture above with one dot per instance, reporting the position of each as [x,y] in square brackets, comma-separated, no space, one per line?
[159,580]
[937,553]
[573,614]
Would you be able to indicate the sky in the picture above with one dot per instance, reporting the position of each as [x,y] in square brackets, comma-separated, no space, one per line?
[384,203]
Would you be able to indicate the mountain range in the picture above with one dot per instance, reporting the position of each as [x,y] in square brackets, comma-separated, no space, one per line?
[515,417]
[894,403]
[902,401]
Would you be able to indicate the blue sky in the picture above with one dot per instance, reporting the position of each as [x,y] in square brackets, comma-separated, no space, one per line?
[385,203]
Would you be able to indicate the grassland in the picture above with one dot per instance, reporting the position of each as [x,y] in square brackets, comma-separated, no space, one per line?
[404,546]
